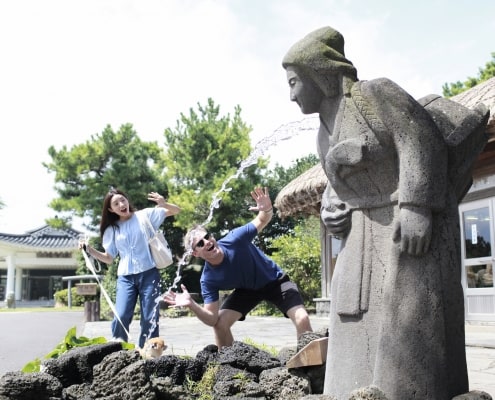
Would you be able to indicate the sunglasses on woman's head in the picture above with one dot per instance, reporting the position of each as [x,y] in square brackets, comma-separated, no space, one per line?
[201,242]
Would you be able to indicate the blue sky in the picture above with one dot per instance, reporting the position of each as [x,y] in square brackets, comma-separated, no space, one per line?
[71,67]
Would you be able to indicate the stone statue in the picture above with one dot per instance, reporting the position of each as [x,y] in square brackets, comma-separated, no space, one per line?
[397,168]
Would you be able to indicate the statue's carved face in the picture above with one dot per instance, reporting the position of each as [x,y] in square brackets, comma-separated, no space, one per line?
[304,91]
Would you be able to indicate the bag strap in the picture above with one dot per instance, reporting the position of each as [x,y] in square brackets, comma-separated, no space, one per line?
[149,225]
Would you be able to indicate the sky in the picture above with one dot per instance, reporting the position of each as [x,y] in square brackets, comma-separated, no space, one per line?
[69,68]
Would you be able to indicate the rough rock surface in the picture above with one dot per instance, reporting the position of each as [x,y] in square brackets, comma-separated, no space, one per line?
[76,366]
[106,372]
[241,371]
[35,386]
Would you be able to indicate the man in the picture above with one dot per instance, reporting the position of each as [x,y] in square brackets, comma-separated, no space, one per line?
[235,263]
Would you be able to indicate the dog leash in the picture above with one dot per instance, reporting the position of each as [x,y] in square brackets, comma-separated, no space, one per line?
[92,268]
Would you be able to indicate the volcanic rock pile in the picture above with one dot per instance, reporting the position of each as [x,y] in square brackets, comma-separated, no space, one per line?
[108,372]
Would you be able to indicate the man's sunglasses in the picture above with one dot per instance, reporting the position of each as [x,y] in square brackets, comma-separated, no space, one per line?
[201,243]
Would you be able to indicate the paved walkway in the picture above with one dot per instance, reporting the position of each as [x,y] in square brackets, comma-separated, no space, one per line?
[187,336]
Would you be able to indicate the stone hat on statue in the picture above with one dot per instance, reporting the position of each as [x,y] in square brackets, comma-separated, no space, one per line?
[321,50]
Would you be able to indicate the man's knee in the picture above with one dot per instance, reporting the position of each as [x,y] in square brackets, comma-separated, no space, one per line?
[299,315]
[297,311]
[220,327]
[226,318]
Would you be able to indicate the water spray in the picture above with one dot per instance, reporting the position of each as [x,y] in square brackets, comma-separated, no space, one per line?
[284,132]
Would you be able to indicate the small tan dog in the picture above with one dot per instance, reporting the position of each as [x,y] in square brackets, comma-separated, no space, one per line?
[153,348]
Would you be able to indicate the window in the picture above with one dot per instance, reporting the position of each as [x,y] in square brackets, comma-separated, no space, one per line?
[477,232]
[479,276]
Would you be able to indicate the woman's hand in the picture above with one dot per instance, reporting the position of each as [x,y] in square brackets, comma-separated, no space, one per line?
[157,198]
[160,201]
[83,242]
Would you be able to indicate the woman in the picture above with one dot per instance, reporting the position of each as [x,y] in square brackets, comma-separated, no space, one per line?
[397,313]
[124,233]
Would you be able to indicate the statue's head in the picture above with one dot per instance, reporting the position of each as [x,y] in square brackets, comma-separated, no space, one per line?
[320,54]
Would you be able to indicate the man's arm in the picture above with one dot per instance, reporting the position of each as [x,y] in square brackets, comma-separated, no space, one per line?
[208,314]
[264,206]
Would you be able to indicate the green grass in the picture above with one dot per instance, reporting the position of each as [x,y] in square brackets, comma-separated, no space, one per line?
[203,388]
[269,349]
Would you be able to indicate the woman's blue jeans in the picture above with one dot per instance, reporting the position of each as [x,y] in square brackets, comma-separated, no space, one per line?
[146,285]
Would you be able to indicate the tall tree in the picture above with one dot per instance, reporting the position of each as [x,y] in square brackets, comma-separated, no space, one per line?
[298,254]
[85,172]
[451,89]
[204,168]
[278,178]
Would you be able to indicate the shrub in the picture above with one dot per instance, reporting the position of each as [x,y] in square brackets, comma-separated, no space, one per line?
[298,254]
[62,297]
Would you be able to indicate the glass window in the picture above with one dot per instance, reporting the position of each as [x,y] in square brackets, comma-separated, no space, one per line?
[479,276]
[477,233]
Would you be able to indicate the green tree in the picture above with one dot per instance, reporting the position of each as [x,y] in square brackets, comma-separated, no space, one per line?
[281,176]
[85,173]
[454,88]
[278,178]
[204,169]
[298,254]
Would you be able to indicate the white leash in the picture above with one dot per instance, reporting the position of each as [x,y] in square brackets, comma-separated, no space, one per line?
[91,267]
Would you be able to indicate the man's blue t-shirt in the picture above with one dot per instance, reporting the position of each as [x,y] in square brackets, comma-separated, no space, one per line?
[244,266]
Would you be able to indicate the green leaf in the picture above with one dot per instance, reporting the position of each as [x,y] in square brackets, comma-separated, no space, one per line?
[32,366]
[70,341]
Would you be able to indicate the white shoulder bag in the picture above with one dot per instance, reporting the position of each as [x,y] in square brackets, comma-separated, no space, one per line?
[160,250]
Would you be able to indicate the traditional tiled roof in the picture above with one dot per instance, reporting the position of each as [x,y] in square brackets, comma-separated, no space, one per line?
[45,238]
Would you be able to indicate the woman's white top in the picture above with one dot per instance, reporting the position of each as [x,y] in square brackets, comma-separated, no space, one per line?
[130,241]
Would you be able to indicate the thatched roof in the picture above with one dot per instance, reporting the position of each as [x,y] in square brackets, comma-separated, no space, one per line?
[302,196]
[482,93]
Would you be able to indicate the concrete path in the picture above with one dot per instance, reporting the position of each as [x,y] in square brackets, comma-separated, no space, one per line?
[27,335]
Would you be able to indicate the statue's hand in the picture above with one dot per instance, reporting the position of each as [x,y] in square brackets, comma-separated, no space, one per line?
[414,230]
[337,221]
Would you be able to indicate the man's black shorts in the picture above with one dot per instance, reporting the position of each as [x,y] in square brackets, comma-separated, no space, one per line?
[283,293]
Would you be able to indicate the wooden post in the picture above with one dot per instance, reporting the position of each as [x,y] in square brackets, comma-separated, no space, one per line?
[314,353]
[91,311]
